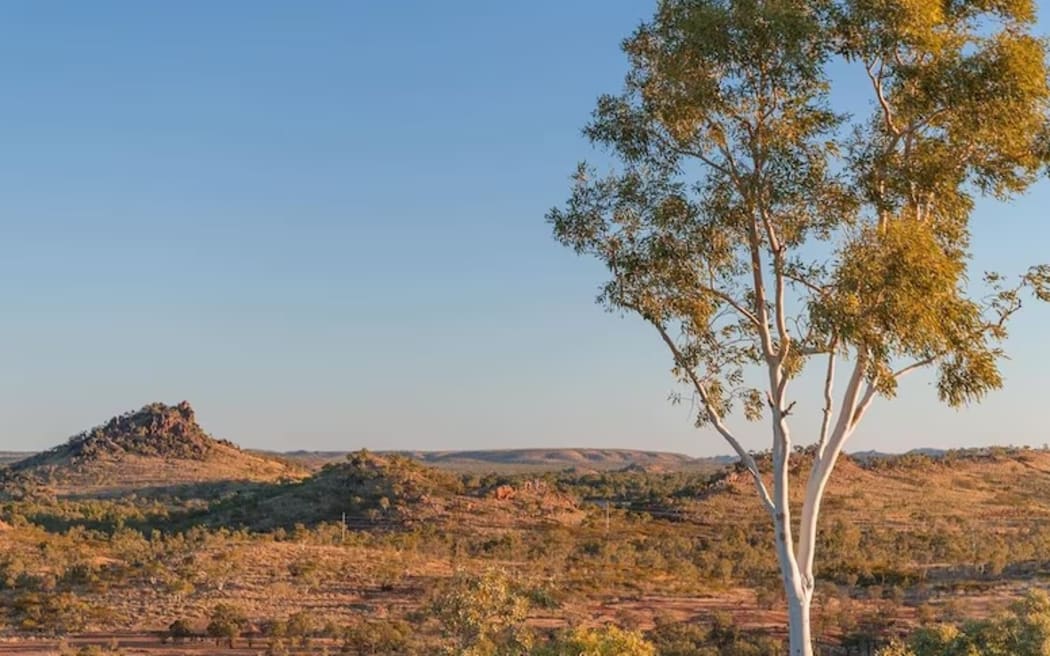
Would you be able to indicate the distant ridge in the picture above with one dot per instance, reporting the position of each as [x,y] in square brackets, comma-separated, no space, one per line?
[872,454]
[536,459]
[7,457]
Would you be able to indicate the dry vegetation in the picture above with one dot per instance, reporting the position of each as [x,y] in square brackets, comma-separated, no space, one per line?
[678,561]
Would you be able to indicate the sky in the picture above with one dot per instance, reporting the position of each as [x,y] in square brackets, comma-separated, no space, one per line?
[323,225]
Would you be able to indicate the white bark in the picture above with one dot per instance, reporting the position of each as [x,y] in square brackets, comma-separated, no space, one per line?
[800,638]
[797,578]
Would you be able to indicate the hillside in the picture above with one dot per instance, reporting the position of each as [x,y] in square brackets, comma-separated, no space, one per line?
[390,491]
[904,540]
[980,498]
[156,446]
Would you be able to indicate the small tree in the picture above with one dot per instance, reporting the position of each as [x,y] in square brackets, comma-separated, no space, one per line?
[758,230]
[179,630]
[377,637]
[226,622]
[484,615]
[301,627]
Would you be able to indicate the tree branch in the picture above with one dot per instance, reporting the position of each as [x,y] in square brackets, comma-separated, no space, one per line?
[817,289]
[715,417]
[829,383]
[736,305]
[876,83]
[823,464]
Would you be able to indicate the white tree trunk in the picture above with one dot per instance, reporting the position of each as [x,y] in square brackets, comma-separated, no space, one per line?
[797,575]
[800,639]
[798,588]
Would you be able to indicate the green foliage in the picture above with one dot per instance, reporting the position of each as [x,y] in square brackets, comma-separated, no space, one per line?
[377,637]
[226,621]
[735,169]
[301,627]
[484,615]
[721,638]
[179,630]
[49,613]
[1023,631]
[608,640]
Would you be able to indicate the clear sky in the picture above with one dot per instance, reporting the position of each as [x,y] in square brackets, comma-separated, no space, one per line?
[322,224]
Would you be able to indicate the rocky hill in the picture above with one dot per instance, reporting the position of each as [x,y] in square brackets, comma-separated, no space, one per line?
[156,446]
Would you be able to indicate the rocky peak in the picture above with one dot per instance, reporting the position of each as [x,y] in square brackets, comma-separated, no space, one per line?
[156,430]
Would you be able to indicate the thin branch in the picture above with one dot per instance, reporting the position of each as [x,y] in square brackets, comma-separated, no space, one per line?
[778,291]
[900,373]
[876,83]
[761,313]
[862,407]
[813,350]
[817,289]
[849,405]
[715,417]
[691,152]
[823,464]
[829,401]
[736,305]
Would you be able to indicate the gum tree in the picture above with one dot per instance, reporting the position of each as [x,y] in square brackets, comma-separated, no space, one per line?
[760,229]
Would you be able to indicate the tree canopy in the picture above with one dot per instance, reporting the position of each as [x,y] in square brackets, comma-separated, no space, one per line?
[754,221]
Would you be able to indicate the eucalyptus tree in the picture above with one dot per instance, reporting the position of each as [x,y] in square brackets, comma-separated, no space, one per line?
[761,229]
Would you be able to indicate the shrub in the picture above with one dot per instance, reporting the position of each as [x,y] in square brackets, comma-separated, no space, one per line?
[608,640]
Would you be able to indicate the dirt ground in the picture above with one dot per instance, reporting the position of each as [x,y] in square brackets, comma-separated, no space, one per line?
[142,644]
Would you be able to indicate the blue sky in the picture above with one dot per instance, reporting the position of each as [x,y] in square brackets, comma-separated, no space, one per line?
[322,224]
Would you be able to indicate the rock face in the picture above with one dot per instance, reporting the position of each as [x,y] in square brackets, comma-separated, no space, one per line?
[156,431]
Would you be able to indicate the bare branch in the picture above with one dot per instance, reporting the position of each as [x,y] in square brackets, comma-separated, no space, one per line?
[862,407]
[824,462]
[715,417]
[817,289]
[849,404]
[736,305]
[876,83]
[669,143]
[900,373]
[829,383]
